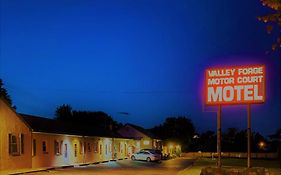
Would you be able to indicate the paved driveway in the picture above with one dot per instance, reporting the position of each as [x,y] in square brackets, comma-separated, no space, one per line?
[127,167]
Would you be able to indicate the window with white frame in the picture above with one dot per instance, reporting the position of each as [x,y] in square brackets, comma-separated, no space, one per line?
[13,145]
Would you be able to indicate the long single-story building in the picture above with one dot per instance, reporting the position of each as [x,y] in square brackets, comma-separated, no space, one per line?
[30,142]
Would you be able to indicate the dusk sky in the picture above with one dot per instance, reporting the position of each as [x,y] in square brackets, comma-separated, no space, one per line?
[144,57]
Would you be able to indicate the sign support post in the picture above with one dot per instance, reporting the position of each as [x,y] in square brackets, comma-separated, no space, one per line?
[219,136]
[249,135]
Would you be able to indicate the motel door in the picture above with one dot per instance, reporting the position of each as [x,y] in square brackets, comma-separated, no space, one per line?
[65,154]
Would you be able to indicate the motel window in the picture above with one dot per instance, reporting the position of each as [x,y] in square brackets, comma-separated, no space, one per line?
[44,147]
[100,149]
[75,150]
[22,143]
[96,147]
[34,147]
[146,142]
[13,147]
[56,147]
[89,147]
[106,149]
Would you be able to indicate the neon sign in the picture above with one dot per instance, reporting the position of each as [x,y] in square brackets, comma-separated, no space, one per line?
[235,85]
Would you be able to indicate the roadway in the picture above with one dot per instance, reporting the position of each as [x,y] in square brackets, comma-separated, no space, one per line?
[126,167]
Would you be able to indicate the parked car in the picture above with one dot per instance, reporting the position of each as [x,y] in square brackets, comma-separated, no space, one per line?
[154,151]
[146,155]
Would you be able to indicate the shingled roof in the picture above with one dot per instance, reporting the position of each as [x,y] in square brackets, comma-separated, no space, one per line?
[144,131]
[41,124]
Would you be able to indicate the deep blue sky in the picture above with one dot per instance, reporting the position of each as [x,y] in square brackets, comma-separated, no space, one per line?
[145,57]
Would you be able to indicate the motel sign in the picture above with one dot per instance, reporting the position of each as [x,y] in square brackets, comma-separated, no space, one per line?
[235,85]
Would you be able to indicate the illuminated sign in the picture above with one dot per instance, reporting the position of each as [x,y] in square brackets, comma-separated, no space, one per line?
[235,85]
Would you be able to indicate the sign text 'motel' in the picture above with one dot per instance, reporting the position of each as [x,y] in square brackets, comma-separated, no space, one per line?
[235,85]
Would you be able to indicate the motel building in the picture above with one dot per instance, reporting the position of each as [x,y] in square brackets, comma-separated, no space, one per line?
[32,142]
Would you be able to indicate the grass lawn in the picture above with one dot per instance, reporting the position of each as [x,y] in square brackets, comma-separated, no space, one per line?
[273,166]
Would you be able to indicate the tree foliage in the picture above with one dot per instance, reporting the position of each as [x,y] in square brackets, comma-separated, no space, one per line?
[4,94]
[179,129]
[273,20]
[87,119]
[233,140]
[64,112]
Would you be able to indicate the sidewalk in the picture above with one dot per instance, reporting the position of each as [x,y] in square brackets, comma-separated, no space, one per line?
[34,170]
[24,171]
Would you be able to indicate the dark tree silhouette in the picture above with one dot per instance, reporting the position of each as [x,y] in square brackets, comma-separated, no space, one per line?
[273,20]
[4,94]
[208,142]
[86,119]
[179,129]
[64,112]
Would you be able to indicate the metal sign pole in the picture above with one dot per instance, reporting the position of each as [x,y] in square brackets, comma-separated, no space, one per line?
[249,135]
[219,136]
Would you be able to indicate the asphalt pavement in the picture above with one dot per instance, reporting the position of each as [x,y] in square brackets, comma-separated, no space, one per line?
[126,167]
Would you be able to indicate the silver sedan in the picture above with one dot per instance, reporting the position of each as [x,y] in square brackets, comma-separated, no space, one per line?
[146,155]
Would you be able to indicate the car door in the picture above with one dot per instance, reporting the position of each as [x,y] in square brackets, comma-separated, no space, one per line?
[145,155]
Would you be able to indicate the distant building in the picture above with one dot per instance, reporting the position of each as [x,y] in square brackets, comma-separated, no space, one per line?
[144,139]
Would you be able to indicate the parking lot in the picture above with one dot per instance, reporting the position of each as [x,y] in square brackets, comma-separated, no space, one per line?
[126,167]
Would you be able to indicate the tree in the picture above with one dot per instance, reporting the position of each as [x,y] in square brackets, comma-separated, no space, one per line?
[208,142]
[86,119]
[179,129]
[64,112]
[273,20]
[4,94]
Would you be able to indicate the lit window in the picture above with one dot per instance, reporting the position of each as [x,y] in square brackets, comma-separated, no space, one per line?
[146,142]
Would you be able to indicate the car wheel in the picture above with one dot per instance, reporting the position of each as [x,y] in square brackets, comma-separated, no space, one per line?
[133,158]
[148,159]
